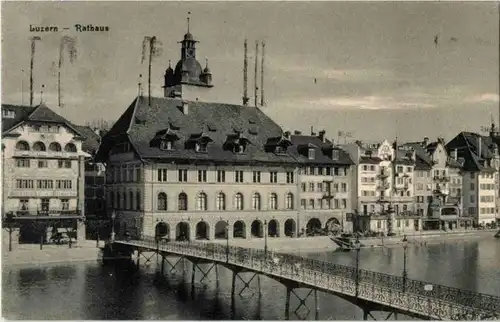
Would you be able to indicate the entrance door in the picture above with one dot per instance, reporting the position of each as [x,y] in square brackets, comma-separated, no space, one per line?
[45,204]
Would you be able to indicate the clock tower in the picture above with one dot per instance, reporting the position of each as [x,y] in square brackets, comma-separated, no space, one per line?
[188,75]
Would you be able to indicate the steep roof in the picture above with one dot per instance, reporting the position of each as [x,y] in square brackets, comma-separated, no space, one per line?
[324,151]
[40,113]
[140,123]
[475,149]
[92,139]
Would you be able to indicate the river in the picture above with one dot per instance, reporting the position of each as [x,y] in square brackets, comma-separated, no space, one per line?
[87,291]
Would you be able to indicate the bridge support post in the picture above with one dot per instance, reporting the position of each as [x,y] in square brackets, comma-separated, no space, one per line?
[162,263]
[216,276]
[233,284]
[365,314]
[138,258]
[316,304]
[193,274]
[258,285]
[287,303]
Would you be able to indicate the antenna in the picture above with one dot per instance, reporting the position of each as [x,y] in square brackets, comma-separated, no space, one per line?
[245,75]
[262,76]
[140,84]
[256,70]
[41,94]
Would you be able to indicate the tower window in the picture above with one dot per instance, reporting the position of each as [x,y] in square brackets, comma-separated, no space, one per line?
[201,147]
[239,149]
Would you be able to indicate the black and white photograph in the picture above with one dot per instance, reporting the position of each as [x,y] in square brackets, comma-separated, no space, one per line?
[250,160]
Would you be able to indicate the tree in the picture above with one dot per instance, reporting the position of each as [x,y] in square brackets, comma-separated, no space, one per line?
[155,50]
[68,43]
[32,63]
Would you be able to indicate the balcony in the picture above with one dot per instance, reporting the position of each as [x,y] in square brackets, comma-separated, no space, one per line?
[38,193]
[328,195]
[383,174]
[383,187]
[45,154]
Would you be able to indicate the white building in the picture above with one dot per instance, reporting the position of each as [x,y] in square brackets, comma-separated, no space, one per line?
[43,172]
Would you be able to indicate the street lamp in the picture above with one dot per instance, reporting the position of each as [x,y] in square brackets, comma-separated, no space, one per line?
[227,241]
[357,246]
[113,216]
[265,237]
[405,273]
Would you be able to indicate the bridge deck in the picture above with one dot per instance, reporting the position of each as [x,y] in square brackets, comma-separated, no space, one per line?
[412,297]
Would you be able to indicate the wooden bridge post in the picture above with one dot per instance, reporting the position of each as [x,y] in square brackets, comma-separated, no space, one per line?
[258,284]
[138,258]
[316,304]
[233,284]
[365,314]
[162,263]
[193,273]
[287,303]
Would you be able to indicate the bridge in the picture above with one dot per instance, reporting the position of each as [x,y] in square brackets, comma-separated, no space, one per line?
[370,291]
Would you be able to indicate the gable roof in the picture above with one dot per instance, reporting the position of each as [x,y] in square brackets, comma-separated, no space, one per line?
[40,113]
[140,123]
[475,149]
[91,139]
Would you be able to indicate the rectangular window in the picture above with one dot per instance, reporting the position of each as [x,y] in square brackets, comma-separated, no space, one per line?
[64,164]
[303,203]
[336,204]
[23,204]
[303,186]
[202,175]
[64,204]
[273,177]
[63,184]
[183,174]
[311,203]
[472,186]
[43,164]
[23,163]
[24,184]
[328,171]
[256,176]
[319,187]
[311,186]
[344,187]
[239,176]
[399,169]
[162,175]
[344,203]
[221,176]
[45,184]
[138,174]
[289,177]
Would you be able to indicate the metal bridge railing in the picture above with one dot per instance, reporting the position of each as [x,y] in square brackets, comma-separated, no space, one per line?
[451,303]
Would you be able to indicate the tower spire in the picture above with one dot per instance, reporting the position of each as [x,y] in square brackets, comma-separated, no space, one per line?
[41,93]
[188,18]
[256,71]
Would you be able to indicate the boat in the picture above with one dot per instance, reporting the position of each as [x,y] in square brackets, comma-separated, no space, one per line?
[345,243]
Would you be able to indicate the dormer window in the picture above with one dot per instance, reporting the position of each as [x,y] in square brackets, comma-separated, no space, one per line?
[311,154]
[335,154]
[8,114]
[280,150]
[240,149]
[237,143]
[201,147]
[166,145]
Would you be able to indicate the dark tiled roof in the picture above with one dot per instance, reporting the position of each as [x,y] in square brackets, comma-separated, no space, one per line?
[139,124]
[92,139]
[325,152]
[467,146]
[39,113]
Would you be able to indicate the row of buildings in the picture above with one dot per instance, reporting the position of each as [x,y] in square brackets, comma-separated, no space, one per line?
[184,167]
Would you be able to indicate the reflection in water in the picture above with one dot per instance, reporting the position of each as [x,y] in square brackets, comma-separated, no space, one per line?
[89,291]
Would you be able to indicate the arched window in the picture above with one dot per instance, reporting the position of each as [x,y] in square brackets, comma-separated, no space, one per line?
[405,207]
[130,204]
[273,201]
[39,146]
[256,201]
[23,146]
[183,201]
[289,200]
[238,201]
[54,146]
[221,201]
[138,200]
[201,201]
[162,201]
[70,147]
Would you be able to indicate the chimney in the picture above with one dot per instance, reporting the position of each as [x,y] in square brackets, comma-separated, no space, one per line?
[297,132]
[256,85]
[185,107]
[454,154]
[321,135]
[245,75]
[426,141]
[287,135]
[262,102]
[312,131]
[479,144]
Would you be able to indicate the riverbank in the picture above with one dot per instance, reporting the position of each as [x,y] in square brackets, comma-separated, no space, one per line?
[32,254]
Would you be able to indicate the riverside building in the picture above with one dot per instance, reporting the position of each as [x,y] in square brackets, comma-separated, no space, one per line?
[43,173]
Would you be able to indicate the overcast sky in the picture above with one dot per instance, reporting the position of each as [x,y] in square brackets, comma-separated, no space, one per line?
[379,72]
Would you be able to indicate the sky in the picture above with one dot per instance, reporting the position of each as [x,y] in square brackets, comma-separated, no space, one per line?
[379,73]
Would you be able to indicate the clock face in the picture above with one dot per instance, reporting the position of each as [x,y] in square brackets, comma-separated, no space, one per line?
[190,52]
